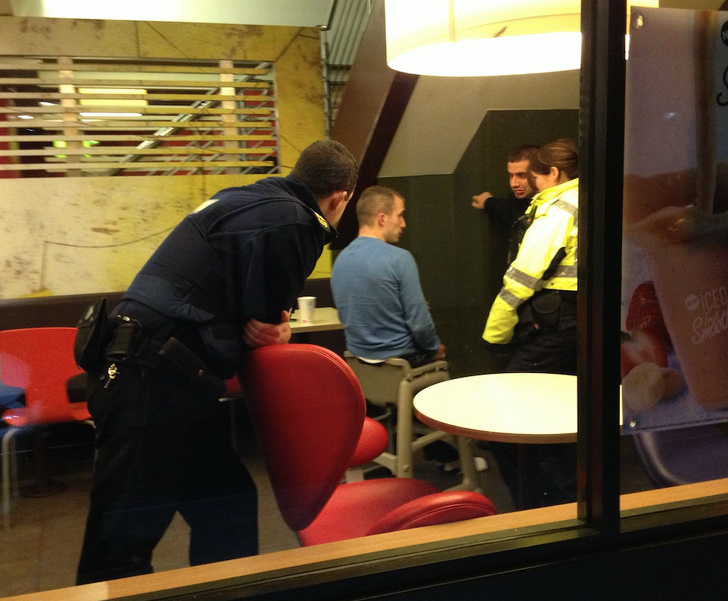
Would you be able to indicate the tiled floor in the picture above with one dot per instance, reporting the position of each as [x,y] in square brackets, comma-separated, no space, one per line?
[40,550]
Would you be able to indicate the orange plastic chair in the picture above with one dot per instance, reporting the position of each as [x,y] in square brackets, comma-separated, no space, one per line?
[40,361]
[308,409]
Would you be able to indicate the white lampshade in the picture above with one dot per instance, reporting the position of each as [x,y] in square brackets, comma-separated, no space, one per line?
[484,37]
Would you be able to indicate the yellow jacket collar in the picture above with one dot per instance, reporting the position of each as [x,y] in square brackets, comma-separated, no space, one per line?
[554,192]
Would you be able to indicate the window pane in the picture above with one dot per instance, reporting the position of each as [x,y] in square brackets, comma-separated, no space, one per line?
[675,250]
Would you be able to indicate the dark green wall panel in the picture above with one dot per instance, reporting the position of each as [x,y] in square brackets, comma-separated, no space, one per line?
[460,252]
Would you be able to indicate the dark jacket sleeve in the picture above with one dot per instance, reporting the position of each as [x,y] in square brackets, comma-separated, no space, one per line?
[506,210]
[280,261]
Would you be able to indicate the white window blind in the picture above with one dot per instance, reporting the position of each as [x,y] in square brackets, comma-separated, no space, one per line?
[107,117]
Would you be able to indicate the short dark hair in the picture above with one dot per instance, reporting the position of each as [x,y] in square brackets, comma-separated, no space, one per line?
[522,153]
[326,166]
[561,154]
[375,200]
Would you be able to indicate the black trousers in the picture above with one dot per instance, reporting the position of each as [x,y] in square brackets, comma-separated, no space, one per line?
[162,448]
[539,475]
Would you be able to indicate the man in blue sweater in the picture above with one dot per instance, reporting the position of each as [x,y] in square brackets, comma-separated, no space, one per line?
[376,287]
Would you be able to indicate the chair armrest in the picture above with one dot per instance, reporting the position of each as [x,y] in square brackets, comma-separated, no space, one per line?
[372,443]
[409,372]
[438,508]
[428,368]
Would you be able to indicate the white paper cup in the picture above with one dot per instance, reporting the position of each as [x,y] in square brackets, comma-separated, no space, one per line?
[306,305]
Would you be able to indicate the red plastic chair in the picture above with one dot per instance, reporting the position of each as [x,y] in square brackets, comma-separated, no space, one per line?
[40,361]
[307,407]
[373,440]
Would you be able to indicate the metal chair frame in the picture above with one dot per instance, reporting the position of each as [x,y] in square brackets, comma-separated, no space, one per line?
[394,383]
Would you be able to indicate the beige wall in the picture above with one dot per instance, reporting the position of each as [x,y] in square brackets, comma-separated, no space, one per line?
[445,113]
[91,234]
[77,235]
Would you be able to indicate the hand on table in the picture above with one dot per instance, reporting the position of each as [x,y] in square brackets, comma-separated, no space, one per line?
[256,333]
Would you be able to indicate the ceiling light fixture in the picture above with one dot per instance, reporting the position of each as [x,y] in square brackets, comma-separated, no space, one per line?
[477,38]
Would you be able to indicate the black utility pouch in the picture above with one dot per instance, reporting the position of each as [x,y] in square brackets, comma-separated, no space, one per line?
[125,340]
[92,336]
[546,306]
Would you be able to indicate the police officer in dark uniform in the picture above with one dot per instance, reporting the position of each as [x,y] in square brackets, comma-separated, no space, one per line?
[221,283]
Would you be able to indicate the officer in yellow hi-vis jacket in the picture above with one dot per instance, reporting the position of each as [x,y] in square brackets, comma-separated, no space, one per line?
[533,318]
[548,247]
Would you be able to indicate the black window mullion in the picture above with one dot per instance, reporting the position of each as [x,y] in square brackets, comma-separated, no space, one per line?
[601,146]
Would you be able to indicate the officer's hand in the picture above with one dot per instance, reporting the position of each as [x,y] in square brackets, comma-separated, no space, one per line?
[479,200]
[440,354]
[257,333]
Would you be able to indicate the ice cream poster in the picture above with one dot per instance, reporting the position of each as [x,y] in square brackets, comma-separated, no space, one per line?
[674,318]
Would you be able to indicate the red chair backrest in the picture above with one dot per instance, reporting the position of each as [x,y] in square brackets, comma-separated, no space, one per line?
[307,408]
[40,361]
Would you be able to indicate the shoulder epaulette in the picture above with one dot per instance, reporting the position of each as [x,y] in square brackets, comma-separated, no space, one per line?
[322,221]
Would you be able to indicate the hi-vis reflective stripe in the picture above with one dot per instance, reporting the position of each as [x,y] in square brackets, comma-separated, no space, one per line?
[510,299]
[564,205]
[519,277]
[565,271]
[524,279]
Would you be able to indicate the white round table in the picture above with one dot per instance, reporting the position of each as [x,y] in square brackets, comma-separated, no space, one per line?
[504,407]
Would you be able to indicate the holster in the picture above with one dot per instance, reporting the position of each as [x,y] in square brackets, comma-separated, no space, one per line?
[542,311]
[92,336]
[191,366]
[526,326]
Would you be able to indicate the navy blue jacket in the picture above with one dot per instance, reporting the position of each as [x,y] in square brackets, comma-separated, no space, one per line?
[244,254]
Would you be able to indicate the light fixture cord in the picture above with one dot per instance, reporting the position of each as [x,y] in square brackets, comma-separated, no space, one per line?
[451,20]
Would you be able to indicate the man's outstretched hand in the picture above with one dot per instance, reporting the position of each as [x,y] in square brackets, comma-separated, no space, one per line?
[480,200]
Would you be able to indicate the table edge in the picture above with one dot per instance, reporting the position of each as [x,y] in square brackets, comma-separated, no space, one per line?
[519,438]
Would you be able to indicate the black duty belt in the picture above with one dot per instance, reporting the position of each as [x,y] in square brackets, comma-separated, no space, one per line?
[128,342]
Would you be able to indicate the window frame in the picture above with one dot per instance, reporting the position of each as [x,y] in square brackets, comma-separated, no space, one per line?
[461,564]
